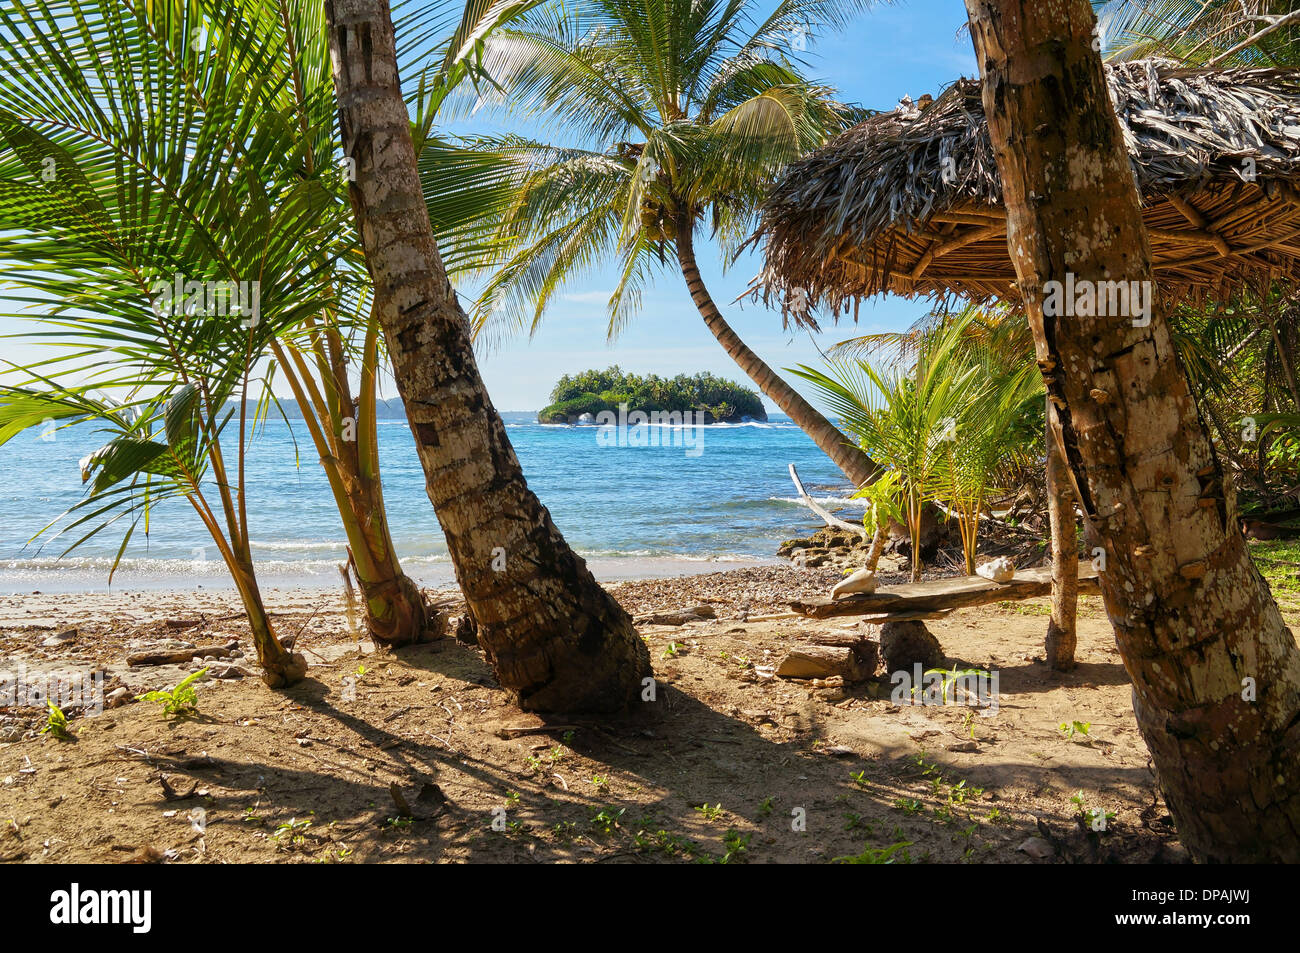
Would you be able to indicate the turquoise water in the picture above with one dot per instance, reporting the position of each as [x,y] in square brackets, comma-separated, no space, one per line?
[717,494]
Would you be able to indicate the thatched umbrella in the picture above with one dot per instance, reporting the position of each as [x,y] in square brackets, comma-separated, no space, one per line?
[909,201]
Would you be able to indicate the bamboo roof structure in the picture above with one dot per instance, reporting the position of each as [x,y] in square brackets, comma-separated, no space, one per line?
[909,201]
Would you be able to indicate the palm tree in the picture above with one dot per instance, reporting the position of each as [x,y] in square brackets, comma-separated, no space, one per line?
[163,242]
[916,418]
[552,634]
[675,116]
[331,358]
[1216,672]
[1261,33]
[1005,433]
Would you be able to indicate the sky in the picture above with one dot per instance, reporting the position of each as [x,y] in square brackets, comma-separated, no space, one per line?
[904,48]
[908,48]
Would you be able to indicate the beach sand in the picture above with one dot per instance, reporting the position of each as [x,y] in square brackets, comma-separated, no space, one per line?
[724,763]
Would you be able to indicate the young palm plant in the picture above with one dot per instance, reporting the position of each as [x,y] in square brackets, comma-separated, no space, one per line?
[909,418]
[671,117]
[279,94]
[167,234]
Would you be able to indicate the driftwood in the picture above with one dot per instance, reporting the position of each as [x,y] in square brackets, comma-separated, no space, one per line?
[695,614]
[180,656]
[940,594]
[832,521]
[854,662]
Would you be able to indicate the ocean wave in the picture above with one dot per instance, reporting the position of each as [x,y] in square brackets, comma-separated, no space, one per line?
[826,501]
[296,545]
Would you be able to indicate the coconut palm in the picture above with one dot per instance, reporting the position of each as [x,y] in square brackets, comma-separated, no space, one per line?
[1201,32]
[910,417]
[160,230]
[670,119]
[553,635]
[331,358]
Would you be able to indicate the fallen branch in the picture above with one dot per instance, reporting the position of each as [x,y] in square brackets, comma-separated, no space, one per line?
[833,521]
[180,656]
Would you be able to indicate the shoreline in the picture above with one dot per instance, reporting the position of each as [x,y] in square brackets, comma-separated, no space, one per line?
[88,581]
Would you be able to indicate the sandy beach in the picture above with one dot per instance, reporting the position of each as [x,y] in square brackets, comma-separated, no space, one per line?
[726,758]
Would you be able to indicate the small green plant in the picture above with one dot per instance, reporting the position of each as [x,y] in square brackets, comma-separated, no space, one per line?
[671,650]
[56,722]
[292,830]
[893,854]
[397,823]
[951,678]
[765,809]
[180,700]
[565,830]
[1094,817]
[853,822]
[606,820]
[736,847]
[1072,728]
[710,813]
[909,806]
[601,783]
[860,779]
[663,842]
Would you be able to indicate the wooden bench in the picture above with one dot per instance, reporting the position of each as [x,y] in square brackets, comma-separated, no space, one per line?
[938,597]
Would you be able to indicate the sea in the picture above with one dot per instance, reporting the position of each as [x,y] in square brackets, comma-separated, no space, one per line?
[646,501]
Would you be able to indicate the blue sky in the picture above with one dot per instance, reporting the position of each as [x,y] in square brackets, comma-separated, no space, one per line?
[896,49]
[906,48]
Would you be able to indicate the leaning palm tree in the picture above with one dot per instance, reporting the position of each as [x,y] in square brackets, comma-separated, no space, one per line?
[553,635]
[671,117]
[331,358]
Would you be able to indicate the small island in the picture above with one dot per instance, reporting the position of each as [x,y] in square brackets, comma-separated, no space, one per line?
[590,392]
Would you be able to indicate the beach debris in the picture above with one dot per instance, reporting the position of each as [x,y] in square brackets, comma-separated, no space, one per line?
[180,656]
[905,644]
[399,800]
[700,613]
[864,580]
[230,671]
[852,662]
[466,631]
[171,793]
[1037,848]
[62,638]
[184,623]
[840,751]
[118,697]
[1001,569]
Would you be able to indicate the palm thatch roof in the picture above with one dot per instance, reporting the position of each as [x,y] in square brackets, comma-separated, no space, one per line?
[910,201]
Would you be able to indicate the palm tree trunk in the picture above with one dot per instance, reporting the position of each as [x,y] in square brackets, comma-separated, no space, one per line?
[1216,673]
[395,609]
[1062,639]
[553,636]
[856,465]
